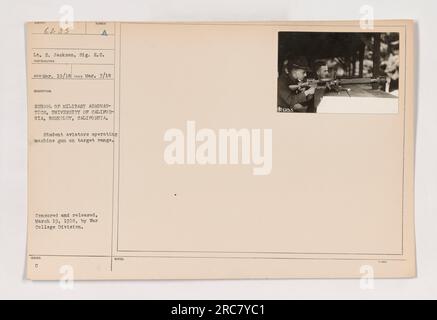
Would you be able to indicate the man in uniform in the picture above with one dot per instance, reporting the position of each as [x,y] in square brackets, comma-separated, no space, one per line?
[322,73]
[291,96]
[322,70]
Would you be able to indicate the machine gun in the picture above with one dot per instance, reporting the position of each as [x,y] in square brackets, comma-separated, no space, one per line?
[337,84]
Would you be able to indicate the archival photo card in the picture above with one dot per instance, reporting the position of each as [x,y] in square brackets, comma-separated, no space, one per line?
[172,151]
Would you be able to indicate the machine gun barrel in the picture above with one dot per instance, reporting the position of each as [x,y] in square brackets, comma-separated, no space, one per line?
[336,82]
[353,81]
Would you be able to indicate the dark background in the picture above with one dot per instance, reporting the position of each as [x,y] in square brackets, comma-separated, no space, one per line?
[351,50]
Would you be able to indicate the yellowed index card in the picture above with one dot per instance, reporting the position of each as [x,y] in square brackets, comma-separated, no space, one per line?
[220,150]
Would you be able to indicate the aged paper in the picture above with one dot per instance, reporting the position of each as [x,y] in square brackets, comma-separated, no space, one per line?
[220,150]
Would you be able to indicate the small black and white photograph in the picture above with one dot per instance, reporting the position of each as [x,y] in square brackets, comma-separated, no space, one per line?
[337,72]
